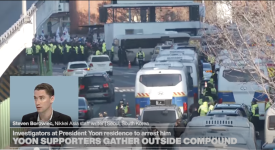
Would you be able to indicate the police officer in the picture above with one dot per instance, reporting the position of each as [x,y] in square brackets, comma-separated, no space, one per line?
[29,51]
[255,113]
[105,114]
[83,52]
[67,52]
[59,53]
[203,109]
[211,59]
[215,78]
[112,52]
[211,106]
[98,52]
[140,55]
[104,50]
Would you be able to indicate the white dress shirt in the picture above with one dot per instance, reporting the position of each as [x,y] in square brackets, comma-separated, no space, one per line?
[44,124]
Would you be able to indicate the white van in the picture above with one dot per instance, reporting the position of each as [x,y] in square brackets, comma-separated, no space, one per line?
[189,63]
[236,84]
[162,85]
[223,126]
[269,129]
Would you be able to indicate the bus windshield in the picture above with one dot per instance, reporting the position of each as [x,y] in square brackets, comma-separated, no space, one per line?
[244,75]
[158,80]
[147,43]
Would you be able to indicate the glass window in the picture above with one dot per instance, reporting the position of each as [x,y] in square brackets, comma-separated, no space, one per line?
[81,102]
[74,66]
[159,116]
[100,59]
[143,43]
[271,123]
[157,50]
[94,80]
[155,80]
[244,75]
[207,67]
[166,47]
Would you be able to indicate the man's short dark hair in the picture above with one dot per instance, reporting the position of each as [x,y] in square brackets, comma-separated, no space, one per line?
[47,87]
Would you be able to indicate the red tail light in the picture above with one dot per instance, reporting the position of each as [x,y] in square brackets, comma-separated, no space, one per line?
[91,65]
[81,87]
[70,70]
[110,64]
[84,111]
[137,109]
[106,85]
[184,107]
[220,101]
[87,69]
[195,96]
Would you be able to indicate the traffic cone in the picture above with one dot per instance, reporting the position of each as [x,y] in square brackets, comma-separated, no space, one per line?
[44,61]
[129,65]
[33,61]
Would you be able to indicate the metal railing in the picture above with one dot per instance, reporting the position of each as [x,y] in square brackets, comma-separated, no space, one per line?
[16,26]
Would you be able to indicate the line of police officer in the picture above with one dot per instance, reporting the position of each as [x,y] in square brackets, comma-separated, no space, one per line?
[61,52]
[67,51]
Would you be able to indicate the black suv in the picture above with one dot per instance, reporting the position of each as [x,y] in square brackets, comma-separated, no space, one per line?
[97,86]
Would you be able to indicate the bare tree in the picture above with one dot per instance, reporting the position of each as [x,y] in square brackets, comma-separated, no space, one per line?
[245,32]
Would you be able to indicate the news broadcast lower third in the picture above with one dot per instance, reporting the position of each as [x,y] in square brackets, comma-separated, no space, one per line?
[45,114]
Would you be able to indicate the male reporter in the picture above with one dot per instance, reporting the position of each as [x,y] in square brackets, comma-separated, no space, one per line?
[45,115]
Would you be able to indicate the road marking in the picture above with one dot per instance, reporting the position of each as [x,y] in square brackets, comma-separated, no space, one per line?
[124,89]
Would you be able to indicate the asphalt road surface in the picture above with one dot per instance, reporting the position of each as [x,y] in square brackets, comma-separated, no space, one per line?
[10,12]
[124,82]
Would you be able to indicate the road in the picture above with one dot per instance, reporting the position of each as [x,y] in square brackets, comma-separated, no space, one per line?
[124,82]
[10,12]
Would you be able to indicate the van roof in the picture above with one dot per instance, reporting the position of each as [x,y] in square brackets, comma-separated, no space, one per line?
[229,121]
[165,70]
[226,111]
[179,58]
[157,64]
[180,51]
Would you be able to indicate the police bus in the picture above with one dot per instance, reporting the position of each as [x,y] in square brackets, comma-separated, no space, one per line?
[192,68]
[147,42]
[161,84]
[269,130]
[237,83]
[187,51]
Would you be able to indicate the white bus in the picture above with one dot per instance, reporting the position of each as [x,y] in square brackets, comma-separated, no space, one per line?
[269,130]
[161,85]
[147,42]
[237,84]
[191,66]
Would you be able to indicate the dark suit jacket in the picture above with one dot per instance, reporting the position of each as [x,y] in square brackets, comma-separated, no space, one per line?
[57,117]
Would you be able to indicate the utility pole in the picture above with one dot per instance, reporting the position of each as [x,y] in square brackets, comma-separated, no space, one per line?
[89,13]
[24,7]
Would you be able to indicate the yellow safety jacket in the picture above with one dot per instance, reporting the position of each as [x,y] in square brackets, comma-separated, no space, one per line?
[61,48]
[125,109]
[46,48]
[29,51]
[52,48]
[253,110]
[76,49]
[82,49]
[211,59]
[211,107]
[37,48]
[112,49]
[98,52]
[68,48]
[203,109]
[211,81]
[267,105]
[140,55]
[213,91]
